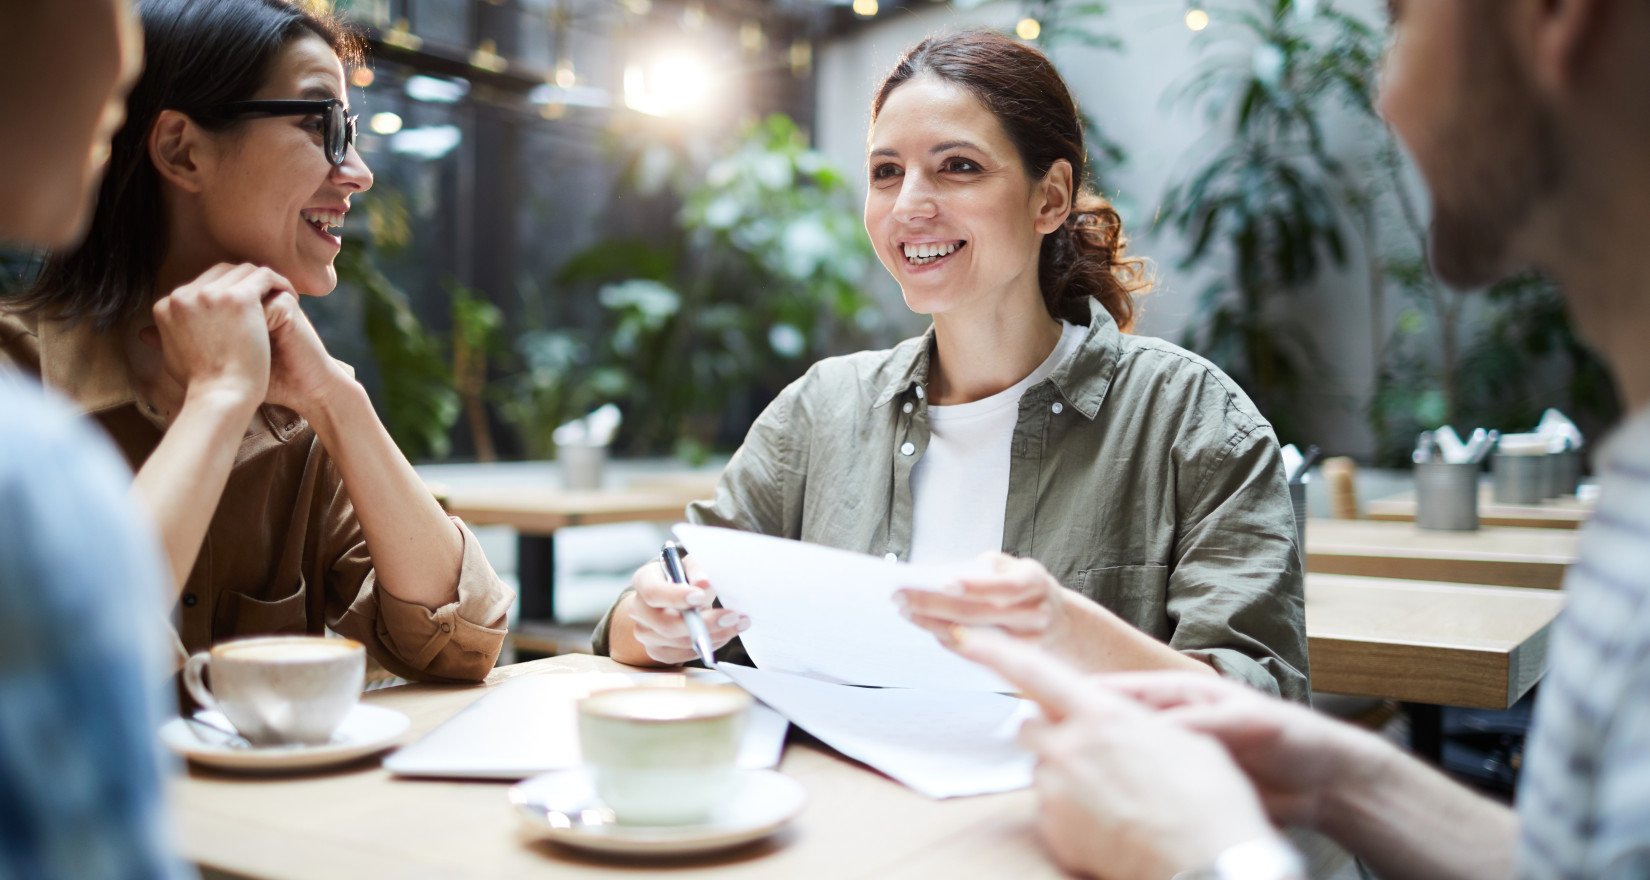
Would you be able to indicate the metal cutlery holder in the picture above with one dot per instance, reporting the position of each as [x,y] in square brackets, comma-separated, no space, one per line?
[1446,496]
[1521,479]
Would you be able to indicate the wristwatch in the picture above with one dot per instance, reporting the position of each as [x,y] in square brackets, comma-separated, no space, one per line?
[1264,858]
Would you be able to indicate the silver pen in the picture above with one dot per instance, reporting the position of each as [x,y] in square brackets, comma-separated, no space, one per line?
[670,559]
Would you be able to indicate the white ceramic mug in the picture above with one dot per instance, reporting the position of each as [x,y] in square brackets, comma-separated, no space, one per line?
[281,689]
[664,755]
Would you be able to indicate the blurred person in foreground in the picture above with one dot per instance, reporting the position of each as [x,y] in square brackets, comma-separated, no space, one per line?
[282,502]
[1130,499]
[1530,122]
[80,785]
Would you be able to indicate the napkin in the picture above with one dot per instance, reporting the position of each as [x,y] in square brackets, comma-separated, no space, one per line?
[595,429]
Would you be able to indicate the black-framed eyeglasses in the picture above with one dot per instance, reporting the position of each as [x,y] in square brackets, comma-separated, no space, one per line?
[337,129]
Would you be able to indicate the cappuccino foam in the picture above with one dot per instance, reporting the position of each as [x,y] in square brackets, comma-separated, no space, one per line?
[305,651]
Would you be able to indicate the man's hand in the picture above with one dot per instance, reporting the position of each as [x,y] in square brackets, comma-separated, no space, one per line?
[1297,759]
[1125,793]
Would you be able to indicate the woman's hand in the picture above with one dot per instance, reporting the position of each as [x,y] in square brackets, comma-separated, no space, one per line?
[302,374]
[1019,596]
[212,334]
[655,610]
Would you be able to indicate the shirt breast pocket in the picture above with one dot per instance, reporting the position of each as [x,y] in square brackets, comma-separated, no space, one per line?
[1136,593]
[242,615]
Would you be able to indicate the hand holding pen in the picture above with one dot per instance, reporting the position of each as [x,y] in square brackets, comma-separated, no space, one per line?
[655,612]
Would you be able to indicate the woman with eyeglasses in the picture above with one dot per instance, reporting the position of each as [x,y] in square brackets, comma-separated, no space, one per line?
[282,502]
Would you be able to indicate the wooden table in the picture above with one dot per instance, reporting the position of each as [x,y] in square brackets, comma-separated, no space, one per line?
[360,822]
[536,511]
[1558,513]
[1426,642]
[1495,556]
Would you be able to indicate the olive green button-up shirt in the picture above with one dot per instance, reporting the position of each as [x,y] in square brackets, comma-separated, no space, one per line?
[1140,475]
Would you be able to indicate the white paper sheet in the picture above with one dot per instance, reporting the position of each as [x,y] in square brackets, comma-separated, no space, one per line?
[830,614]
[530,725]
[941,743]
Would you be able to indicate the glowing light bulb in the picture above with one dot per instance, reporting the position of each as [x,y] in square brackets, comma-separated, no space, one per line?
[1028,29]
[1197,19]
[361,77]
[386,123]
[866,8]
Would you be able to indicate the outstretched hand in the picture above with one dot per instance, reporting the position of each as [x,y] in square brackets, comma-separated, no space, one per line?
[1125,793]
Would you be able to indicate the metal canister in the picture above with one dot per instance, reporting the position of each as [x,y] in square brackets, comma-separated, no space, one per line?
[1446,496]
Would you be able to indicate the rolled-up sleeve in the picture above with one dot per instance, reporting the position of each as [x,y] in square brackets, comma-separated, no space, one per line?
[1237,592]
[459,641]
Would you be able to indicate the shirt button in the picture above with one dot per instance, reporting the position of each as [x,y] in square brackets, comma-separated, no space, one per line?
[908,448]
[189,600]
[891,557]
[446,627]
[920,394]
[909,407]
[1058,407]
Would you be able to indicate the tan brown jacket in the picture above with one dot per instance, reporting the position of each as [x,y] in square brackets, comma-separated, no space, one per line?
[284,552]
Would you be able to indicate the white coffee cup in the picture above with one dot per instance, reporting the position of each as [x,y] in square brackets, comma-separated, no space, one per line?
[664,755]
[281,689]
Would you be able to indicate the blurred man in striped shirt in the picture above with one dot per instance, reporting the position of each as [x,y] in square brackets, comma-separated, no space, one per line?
[1530,120]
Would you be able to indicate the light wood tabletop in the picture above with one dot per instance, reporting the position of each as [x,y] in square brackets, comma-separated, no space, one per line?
[539,511]
[1425,642]
[361,822]
[1558,513]
[1493,556]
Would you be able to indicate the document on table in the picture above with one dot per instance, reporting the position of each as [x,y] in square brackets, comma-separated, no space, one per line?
[941,743]
[829,614]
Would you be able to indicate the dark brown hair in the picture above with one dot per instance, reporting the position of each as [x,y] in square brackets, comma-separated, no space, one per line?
[1085,257]
[197,55]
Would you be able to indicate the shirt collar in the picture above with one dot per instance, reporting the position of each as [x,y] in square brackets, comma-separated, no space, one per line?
[90,367]
[1081,379]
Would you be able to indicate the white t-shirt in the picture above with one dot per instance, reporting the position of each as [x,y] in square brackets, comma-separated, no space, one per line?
[959,488]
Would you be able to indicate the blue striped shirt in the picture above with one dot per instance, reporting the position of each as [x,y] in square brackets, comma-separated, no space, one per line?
[1584,800]
[80,778]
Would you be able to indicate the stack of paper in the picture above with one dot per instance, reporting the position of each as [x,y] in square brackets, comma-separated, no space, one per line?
[837,659]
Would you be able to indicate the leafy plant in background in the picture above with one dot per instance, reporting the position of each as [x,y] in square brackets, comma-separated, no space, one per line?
[764,276]
[418,400]
[1269,198]
[476,331]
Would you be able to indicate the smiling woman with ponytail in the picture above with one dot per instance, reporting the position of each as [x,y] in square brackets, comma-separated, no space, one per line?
[1131,499]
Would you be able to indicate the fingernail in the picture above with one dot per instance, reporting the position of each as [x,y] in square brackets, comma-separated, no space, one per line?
[744,624]
[901,600]
[728,619]
[696,597]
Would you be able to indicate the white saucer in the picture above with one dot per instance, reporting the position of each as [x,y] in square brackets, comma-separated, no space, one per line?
[365,730]
[563,807]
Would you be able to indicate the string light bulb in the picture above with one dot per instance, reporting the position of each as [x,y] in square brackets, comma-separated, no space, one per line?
[1028,29]
[865,8]
[1196,18]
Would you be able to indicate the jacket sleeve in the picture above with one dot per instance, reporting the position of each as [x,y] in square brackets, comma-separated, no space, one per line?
[1237,590]
[758,492]
[459,641]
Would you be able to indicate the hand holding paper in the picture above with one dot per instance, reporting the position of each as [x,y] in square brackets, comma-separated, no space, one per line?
[830,614]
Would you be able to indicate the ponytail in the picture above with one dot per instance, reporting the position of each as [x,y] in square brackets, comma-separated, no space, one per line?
[1084,258]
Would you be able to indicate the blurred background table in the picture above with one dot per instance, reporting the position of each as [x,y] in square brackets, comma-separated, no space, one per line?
[1568,512]
[1493,556]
